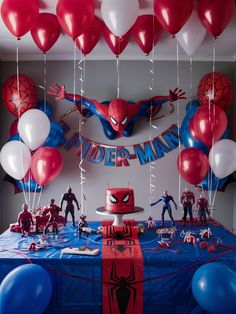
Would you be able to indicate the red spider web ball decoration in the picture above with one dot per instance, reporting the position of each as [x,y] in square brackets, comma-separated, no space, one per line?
[216,88]
[28,94]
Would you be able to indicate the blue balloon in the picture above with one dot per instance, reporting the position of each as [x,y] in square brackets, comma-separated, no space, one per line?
[28,186]
[192,105]
[56,136]
[26,289]
[214,288]
[185,136]
[46,108]
[14,137]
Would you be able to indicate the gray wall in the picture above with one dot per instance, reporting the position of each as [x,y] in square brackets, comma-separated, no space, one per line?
[101,85]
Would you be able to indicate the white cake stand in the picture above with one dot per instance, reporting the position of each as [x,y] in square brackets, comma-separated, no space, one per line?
[118,217]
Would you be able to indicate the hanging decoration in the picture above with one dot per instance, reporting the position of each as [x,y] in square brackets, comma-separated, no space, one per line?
[191,35]
[28,94]
[119,16]
[75,16]
[215,88]
[89,39]
[147,32]
[46,31]
[119,156]
[19,16]
[215,15]
[173,14]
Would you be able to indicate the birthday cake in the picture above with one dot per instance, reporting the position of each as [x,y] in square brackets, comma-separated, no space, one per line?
[119,200]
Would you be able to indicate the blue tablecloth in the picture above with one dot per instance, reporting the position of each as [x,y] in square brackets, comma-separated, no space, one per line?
[169,294]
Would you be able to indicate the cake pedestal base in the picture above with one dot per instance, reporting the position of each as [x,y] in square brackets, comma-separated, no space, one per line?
[118,217]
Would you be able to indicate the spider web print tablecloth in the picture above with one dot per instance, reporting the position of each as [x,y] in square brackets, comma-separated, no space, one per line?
[122,271]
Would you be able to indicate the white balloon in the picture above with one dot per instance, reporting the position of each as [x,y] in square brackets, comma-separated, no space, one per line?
[119,15]
[34,128]
[191,35]
[222,158]
[15,159]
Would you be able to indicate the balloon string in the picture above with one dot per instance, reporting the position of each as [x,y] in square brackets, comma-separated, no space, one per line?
[45,80]
[81,66]
[34,196]
[152,176]
[18,111]
[191,80]
[118,75]
[211,120]
[178,117]
[39,198]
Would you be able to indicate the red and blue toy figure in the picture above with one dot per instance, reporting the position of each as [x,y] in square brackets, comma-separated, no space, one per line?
[52,212]
[203,209]
[117,116]
[187,200]
[165,198]
[25,220]
[82,224]
[150,223]
[69,198]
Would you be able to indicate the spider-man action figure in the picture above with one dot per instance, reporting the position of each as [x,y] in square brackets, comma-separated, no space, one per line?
[117,116]
[69,198]
[25,220]
[165,198]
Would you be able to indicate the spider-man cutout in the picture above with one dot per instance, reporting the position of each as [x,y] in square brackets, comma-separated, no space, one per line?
[122,289]
[117,116]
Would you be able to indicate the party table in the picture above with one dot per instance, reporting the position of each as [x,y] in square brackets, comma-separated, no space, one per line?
[77,280]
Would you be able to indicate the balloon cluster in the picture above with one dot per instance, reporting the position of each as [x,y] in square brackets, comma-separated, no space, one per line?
[22,157]
[208,152]
[120,19]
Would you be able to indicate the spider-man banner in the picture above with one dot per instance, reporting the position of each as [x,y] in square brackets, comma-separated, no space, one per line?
[120,156]
[122,268]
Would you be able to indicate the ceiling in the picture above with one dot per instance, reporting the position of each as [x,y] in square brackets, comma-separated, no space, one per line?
[165,50]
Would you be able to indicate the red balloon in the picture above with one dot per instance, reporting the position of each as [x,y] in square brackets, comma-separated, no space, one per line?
[46,165]
[75,16]
[27,91]
[208,124]
[147,31]
[46,31]
[19,16]
[193,165]
[215,15]
[173,14]
[88,40]
[14,127]
[215,88]
[116,43]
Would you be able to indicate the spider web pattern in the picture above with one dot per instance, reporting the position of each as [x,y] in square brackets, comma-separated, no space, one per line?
[28,94]
[222,90]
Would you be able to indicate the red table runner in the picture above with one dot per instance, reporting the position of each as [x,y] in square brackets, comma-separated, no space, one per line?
[122,266]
